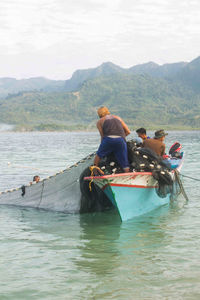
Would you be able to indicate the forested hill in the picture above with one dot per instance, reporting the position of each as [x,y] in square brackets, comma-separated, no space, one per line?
[190,75]
[14,86]
[187,73]
[182,72]
[142,100]
[106,69]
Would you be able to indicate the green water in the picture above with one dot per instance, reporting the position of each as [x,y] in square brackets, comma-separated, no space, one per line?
[47,255]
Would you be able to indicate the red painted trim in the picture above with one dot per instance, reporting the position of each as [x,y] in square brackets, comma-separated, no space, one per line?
[119,175]
[105,186]
[129,185]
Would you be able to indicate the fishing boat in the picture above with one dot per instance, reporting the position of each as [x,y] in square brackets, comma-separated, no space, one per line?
[137,193]
[133,194]
[67,191]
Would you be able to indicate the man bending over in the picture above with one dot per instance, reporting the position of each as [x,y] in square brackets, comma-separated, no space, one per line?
[113,131]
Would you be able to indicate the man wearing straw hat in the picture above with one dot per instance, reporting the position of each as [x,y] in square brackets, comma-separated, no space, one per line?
[157,143]
[113,131]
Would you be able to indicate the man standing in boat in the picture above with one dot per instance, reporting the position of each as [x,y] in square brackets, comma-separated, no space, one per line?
[157,143]
[113,131]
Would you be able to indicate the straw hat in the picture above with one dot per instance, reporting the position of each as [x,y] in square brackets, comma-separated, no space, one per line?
[160,133]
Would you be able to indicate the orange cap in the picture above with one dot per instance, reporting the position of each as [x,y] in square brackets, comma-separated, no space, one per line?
[103,111]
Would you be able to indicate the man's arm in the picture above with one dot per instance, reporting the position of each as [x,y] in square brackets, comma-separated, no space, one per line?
[99,126]
[126,129]
[163,150]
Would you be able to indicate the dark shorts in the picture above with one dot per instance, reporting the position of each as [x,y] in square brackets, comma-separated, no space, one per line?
[116,145]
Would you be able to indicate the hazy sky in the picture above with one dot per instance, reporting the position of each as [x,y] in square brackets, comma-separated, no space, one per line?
[53,38]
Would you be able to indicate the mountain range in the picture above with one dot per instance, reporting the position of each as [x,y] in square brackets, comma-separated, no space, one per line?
[180,69]
[144,95]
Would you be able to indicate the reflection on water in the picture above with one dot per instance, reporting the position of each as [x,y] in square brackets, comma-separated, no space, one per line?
[46,255]
[6,127]
[99,253]
[126,252]
[95,256]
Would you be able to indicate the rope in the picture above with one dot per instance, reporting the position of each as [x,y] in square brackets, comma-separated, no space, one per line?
[26,167]
[92,168]
[181,185]
[48,171]
[197,179]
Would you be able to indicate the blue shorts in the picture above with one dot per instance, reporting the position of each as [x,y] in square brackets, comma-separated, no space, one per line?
[116,145]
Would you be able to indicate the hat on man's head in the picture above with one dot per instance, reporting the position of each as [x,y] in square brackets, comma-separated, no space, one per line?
[103,111]
[160,133]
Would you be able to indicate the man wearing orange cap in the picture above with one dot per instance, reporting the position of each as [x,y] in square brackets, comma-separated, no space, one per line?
[113,131]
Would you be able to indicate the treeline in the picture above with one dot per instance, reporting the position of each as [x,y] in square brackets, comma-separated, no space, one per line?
[140,99]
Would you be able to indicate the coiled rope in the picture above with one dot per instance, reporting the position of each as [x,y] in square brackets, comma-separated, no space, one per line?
[93,173]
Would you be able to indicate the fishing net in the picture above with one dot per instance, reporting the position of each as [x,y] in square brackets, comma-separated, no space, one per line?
[67,191]
[93,199]
[141,160]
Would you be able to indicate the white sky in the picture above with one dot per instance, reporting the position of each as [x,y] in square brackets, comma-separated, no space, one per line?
[53,38]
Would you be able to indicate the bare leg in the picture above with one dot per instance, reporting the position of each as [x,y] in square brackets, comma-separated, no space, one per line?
[95,169]
[96,160]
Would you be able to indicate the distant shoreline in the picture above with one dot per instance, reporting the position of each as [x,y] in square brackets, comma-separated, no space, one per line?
[95,130]
[83,128]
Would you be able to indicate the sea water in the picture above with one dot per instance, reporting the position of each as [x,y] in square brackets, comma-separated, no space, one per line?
[50,255]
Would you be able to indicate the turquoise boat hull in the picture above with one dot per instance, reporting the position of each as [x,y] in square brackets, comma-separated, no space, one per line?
[134,201]
[134,194]
[137,193]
